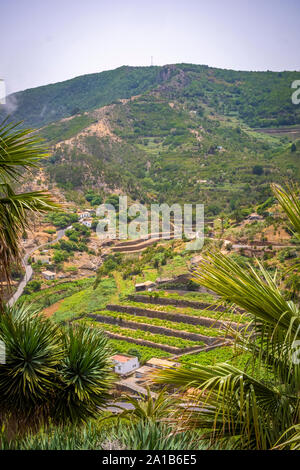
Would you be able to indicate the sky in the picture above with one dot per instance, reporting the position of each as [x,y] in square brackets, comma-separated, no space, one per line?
[47,41]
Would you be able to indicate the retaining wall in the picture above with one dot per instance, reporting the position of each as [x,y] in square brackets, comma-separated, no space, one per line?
[153,329]
[144,342]
[171,316]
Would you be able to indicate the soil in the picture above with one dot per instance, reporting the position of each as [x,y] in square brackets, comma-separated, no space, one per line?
[49,311]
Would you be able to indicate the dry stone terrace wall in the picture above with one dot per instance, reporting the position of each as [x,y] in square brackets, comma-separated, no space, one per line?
[146,299]
[153,328]
[175,317]
[144,342]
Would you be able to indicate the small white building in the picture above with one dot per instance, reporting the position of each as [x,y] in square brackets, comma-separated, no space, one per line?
[87,222]
[49,275]
[83,215]
[144,286]
[125,364]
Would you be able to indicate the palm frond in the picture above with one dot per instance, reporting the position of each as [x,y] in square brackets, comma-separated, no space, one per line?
[19,150]
[289,200]
[257,294]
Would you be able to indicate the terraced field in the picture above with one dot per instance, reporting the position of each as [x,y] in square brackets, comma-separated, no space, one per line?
[163,328]
[148,324]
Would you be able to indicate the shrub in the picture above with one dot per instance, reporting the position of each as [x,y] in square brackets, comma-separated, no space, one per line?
[51,373]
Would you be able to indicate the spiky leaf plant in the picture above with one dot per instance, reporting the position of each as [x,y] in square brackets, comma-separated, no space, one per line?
[51,373]
[251,408]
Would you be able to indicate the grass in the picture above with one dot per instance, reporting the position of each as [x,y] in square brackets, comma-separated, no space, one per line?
[215,356]
[143,352]
[60,290]
[188,311]
[87,300]
[195,296]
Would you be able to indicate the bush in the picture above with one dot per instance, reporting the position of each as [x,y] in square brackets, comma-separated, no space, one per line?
[59,374]
[32,286]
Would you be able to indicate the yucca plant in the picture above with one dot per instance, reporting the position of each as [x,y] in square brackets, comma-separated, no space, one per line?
[155,435]
[20,150]
[51,373]
[152,407]
[61,437]
[251,408]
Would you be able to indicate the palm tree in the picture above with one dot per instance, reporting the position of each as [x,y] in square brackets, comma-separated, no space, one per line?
[52,373]
[20,150]
[259,407]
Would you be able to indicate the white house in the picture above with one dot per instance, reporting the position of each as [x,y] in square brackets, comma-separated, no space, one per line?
[125,364]
[83,215]
[87,222]
[49,275]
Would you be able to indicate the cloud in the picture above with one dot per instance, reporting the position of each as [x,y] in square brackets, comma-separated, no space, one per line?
[11,104]
[2,91]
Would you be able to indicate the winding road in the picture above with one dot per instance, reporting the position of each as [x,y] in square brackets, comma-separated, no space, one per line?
[28,268]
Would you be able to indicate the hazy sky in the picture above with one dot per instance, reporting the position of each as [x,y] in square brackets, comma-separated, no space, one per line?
[45,41]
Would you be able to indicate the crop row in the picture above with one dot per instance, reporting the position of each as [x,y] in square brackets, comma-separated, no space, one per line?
[189,295]
[198,329]
[238,318]
[144,353]
[215,356]
[140,334]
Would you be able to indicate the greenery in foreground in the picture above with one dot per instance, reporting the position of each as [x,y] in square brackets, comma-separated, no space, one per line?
[19,151]
[52,374]
[244,408]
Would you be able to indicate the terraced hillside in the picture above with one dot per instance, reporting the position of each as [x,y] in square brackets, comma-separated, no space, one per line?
[143,322]
[175,331]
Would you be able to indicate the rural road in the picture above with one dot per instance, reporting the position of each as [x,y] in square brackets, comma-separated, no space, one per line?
[28,268]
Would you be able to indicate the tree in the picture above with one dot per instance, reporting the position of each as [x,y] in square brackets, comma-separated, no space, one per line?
[52,374]
[257,170]
[258,407]
[19,151]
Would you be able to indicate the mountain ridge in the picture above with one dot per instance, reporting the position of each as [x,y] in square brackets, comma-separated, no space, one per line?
[237,90]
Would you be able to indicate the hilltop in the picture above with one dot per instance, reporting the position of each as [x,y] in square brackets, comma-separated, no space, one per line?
[261,99]
[177,133]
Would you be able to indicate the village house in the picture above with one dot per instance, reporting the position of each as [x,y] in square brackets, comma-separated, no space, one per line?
[41,258]
[83,215]
[143,372]
[86,213]
[125,364]
[49,275]
[87,222]
[144,286]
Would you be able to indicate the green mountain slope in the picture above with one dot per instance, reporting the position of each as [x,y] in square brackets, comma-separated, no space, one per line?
[259,98]
[178,133]
[160,150]
[39,106]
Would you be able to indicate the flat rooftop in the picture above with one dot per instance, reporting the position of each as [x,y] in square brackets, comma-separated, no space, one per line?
[122,358]
[156,362]
[48,273]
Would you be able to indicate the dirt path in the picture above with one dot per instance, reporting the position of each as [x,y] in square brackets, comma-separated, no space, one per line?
[49,311]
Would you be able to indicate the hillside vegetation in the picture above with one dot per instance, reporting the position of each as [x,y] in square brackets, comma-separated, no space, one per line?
[178,133]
